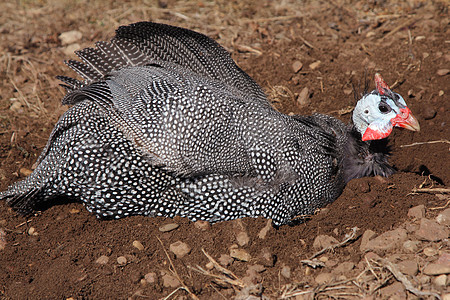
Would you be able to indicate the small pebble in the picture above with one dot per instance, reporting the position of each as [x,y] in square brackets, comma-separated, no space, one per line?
[444,217]
[121,260]
[242,238]
[170,281]
[202,225]
[209,266]
[16,106]
[443,72]
[367,235]
[324,278]
[323,259]
[70,49]
[267,258]
[344,267]
[444,259]
[431,231]
[240,254]
[323,241]
[70,37]
[394,291]
[135,276]
[408,267]
[32,231]
[102,260]
[138,245]
[297,66]
[411,246]
[25,171]
[315,65]
[265,230]
[303,98]
[424,279]
[2,239]
[428,251]
[180,249]
[348,91]
[436,269]
[74,211]
[417,212]
[225,260]
[440,280]
[429,113]
[150,277]
[168,227]
[286,272]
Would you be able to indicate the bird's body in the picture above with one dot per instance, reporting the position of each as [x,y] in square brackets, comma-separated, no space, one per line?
[166,124]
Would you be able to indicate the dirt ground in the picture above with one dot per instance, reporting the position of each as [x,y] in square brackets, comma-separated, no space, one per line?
[64,252]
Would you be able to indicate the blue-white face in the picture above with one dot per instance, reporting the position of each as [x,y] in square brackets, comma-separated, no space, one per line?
[377,113]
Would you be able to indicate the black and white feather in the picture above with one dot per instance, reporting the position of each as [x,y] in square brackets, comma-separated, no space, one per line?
[165,123]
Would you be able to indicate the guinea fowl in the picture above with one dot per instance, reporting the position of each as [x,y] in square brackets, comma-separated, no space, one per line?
[165,124]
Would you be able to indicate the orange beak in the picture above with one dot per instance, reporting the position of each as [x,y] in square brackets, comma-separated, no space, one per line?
[405,119]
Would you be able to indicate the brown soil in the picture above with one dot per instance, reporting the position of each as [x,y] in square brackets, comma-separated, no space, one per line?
[407,41]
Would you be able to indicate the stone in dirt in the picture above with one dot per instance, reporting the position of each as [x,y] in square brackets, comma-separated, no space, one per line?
[138,245]
[417,212]
[265,230]
[411,246]
[168,227]
[240,254]
[367,235]
[267,258]
[444,218]
[440,281]
[408,267]
[323,241]
[444,259]
[202,225]
[180,249]
[393,291]
[122,260]
[70,37]
[436,269]
[323,278]
[102,260]
[297,66]
[170,281]
[225,260]
[150,277]
[344,268]
[2,239]
[443,72]
[387,240]
[242,238]
[315,65]
[253,274]
[428,251]
[135,276]
[286,272]
[430,230]
[303,98]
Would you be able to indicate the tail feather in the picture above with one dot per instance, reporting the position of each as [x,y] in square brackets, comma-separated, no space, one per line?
[145,43]
[22,197]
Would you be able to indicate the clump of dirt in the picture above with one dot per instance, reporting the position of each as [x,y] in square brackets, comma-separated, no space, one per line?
[307,57]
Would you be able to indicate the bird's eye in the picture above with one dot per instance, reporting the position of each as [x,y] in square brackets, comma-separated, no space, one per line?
[384,108]
[366,111]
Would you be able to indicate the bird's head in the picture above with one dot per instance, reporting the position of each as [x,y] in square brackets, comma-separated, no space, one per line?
[377,113]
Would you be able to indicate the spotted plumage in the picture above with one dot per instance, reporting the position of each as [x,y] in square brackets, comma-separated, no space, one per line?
[165,123]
